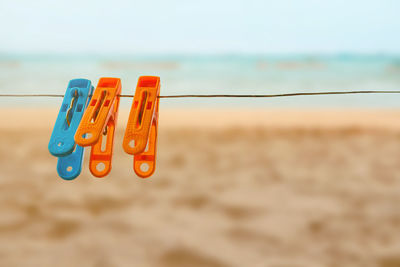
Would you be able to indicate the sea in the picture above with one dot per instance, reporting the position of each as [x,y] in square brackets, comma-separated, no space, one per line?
[212,74]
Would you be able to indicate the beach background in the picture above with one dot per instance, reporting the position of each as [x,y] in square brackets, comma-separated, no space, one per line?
[278,182]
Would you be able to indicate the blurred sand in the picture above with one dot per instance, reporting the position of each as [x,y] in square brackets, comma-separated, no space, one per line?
[232,188]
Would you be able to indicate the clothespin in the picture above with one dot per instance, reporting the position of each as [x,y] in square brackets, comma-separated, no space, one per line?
[97,127]
[140,137]
[62,143]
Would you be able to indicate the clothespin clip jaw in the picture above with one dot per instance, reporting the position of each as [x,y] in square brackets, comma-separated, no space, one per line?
[140,137]
[97,126]
[62,143]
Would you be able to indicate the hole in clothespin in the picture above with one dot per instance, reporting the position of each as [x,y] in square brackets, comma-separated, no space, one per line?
[98,105]
[141,110]
[132,143]
[69,169]
[144,167]
[87,135]
[103,142]
[100,166]
[60,144]
[68,116]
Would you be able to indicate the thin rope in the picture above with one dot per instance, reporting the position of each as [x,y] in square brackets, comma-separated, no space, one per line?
[230,95]
[283,95]
[30,95]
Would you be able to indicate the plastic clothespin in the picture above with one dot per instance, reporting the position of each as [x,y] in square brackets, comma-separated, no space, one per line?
[97,127]
[62,143]
[140,137]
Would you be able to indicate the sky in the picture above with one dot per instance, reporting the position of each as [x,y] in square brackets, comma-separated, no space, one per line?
[206,26]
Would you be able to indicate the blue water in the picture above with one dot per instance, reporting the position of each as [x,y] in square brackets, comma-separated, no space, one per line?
[227,74]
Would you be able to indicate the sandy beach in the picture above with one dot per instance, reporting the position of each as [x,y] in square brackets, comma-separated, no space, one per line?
[279,188]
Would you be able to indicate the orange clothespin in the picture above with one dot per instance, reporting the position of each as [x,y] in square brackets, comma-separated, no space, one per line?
[97,126]
[140,137]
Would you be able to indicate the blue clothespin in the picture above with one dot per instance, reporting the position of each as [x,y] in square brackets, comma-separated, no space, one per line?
[62,143]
